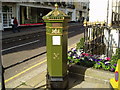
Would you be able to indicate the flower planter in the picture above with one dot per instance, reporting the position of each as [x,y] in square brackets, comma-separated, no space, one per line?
[91,67]
[77,56]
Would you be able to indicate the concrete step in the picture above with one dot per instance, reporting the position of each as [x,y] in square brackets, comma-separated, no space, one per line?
[77,82]
[91,74]
[92,86]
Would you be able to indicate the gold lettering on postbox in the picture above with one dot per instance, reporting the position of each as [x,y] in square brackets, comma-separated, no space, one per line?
[56,24]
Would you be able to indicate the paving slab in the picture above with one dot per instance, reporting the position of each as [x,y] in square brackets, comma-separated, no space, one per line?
[23,87]
[32,74]
[33,82]
[41,85]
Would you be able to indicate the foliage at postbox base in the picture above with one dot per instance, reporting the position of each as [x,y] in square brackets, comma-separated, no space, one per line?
[77,56]
[80,44]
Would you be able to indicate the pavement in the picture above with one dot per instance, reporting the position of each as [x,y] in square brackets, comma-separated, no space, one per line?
[38,82]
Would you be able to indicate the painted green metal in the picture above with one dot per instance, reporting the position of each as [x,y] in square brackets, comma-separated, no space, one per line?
[56,25]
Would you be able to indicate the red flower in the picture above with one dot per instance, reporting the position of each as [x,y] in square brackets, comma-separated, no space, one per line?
[85,54]
[107,58]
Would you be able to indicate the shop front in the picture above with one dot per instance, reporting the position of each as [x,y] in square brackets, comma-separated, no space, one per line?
[28,13]
[32,15]
[8,11]
[25,14]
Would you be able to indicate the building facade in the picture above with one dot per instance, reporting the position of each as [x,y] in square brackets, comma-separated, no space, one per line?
[82,9]
[26,12]
[107,11]
[32,12]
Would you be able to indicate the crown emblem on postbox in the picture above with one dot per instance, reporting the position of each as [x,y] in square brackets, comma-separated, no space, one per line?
[56,14]
[55,31]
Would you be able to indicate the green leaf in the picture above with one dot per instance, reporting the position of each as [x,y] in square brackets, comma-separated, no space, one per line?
[107,67]
[80,45]
[69,57]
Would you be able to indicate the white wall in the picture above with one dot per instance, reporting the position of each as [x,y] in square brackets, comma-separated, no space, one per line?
[114,40]
[98,10]
[106,33]
[114,37]
[18,13]
[109,22]
[111,40]
[81,0]
[73,11]
[74,15]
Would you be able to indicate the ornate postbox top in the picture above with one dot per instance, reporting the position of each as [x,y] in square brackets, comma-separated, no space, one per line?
[56,15]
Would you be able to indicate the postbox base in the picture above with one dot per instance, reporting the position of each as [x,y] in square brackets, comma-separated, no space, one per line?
[57,83]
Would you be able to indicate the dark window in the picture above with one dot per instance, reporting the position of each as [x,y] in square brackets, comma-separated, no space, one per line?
[84,7]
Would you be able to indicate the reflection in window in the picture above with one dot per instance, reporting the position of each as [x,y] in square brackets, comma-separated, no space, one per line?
[7,14]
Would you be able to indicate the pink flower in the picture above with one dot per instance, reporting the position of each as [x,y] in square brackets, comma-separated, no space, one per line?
[85,54]
[107,58]
[91,55]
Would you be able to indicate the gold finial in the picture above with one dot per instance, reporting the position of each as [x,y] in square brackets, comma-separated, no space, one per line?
[102,23]
[88,23]
[56,6]
[85,23]
[94,23]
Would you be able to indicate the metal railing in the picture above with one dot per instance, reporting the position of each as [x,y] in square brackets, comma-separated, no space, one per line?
[100,39]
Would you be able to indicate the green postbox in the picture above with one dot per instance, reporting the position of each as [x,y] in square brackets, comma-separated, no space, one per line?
[56,41]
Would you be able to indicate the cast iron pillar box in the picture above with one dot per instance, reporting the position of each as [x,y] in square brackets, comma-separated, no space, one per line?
[56,41]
